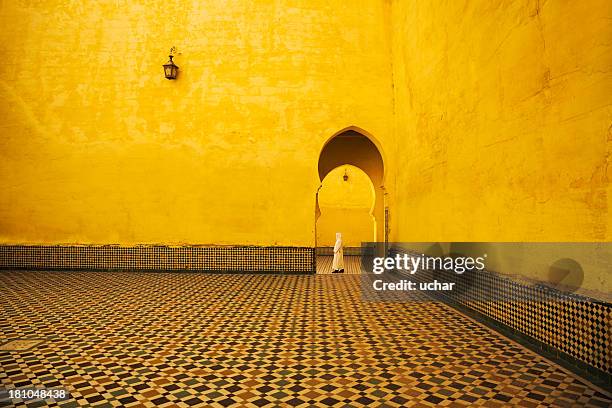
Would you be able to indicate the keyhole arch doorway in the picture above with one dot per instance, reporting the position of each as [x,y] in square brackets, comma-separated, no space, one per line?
[356,147]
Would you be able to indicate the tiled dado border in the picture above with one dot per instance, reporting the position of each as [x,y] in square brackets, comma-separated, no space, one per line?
[220,259]
[572,330]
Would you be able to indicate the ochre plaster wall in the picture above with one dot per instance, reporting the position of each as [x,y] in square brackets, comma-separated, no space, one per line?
[504,128]
[96,146]
[493,118]
[503,120]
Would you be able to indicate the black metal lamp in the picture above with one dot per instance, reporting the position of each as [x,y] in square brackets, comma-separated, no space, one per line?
[345,177]
[170,68]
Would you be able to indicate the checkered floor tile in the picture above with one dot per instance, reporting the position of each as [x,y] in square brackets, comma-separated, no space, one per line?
[198,340]
[352,264]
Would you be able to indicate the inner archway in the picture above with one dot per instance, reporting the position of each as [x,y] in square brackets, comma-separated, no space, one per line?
[357,149]
[346,203]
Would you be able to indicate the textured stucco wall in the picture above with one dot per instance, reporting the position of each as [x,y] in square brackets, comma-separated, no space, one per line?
[504,128]
[97,147]
[493,117]
[503,120]
[346,207]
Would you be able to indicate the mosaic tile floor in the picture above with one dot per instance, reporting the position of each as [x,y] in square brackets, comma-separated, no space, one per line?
[352,265]
[185,340]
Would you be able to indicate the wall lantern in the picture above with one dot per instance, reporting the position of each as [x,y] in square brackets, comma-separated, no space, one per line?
[170,69]
[345,177]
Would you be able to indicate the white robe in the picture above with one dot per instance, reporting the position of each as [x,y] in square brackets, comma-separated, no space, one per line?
[338,262]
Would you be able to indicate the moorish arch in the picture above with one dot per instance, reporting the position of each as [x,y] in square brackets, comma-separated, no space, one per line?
[356,147]
[346,204]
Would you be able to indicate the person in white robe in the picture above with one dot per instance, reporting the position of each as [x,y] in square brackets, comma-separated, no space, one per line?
[338,263]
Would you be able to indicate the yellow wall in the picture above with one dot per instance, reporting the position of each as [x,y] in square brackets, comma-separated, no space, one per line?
[346,207]
[503,120]
[503,126]
[493,118]
[97,147]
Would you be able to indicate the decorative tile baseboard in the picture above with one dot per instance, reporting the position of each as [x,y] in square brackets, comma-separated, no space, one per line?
[245,259]
[574,329]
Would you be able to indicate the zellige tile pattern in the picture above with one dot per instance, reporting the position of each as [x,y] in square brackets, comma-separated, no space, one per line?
[274,259]
[213,340]
[573,324]
[352,264]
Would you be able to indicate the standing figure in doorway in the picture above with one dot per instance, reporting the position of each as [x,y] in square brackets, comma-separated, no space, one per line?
[338,264]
